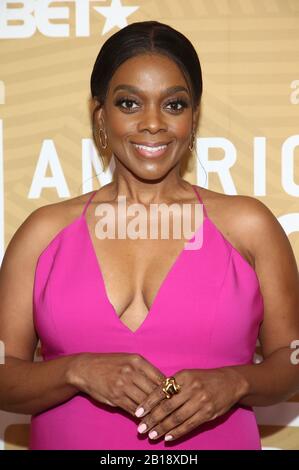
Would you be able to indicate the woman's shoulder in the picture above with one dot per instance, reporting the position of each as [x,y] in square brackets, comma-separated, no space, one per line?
[244,220]
[233,206]
[41,226]
[52,218]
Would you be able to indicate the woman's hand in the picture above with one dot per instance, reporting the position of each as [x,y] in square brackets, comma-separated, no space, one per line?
[115,379]
[205,394]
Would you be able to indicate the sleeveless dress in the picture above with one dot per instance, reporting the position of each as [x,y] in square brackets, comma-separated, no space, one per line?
[206,314]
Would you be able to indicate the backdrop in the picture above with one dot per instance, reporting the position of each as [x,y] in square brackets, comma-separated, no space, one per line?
[248,137]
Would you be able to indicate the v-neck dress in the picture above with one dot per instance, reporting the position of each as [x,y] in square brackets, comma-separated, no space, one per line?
[206,314]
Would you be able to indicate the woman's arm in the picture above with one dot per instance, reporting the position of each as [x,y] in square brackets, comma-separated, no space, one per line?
[276,379]
[272,381]
[25,386]
[31,387]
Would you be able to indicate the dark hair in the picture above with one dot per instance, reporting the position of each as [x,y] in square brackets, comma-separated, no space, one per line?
[140,38]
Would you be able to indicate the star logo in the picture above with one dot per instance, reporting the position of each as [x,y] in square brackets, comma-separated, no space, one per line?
[116,15]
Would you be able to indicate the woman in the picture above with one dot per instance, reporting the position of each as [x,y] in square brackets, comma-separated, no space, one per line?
[147,344]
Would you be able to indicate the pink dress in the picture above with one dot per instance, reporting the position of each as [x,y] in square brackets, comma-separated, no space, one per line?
[206,314]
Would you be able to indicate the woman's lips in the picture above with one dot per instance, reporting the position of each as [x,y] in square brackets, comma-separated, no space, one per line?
[152,152]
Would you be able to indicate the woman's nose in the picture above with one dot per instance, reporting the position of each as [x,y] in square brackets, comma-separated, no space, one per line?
[152,120]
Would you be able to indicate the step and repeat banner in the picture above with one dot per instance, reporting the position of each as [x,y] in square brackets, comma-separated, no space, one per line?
[248,140]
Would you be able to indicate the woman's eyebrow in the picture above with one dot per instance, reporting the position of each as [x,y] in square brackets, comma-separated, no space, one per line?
[134,89]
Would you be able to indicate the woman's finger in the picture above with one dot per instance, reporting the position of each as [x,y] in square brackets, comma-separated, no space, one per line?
[145,383]
[127,404]
[188,425]
[135,393]
[150,371]
[173,422]
[166,408]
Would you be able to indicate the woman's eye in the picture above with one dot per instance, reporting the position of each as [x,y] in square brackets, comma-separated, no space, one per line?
[179,102]
[176,105]
[125,100]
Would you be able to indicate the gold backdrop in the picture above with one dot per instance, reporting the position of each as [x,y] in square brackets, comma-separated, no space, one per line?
[249,121]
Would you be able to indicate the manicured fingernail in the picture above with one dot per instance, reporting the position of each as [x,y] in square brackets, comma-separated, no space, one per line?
[168,437]
[153,434]
[139,412]
[142,427]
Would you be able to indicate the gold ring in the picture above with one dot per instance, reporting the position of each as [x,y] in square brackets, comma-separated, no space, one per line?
[170,387]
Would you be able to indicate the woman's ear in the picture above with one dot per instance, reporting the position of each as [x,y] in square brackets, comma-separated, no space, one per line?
[99,115]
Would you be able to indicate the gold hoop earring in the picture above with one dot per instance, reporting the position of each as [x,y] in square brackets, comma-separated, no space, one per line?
[106,139]
[193,139]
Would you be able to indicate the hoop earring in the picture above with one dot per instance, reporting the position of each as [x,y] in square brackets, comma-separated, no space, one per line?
[106,139]
[193,139]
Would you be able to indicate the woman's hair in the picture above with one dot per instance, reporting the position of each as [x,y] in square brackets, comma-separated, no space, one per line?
[141,38]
